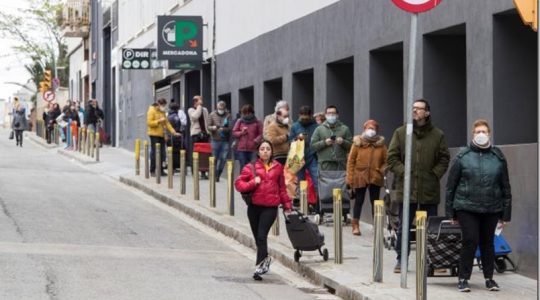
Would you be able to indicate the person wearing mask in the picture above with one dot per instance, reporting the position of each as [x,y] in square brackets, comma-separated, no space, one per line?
[265,180]
[332,141]
[157,123]
[93,115]
[281,106]
[248,133]
[19,124]
[277,133]
[219,126]
[303,129]
[179,126]
[365,169]
[429,163]
[478,196]
[198,115]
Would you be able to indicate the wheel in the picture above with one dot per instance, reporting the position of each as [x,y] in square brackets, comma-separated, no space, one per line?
[325,254]
[500,265]
[297,256]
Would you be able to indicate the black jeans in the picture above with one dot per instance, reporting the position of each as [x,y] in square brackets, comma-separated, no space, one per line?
[477,230]
[431,210]
[261,219]
[153,141]
[19,136]
[374,191]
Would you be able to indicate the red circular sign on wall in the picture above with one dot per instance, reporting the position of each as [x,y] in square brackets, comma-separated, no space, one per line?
[416,6]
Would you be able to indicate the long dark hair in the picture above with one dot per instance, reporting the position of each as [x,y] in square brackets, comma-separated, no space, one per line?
[271,148]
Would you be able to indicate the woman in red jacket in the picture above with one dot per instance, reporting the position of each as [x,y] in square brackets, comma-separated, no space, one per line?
[265,179]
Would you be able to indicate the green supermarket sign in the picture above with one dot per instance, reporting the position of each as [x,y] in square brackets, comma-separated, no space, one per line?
[180,38]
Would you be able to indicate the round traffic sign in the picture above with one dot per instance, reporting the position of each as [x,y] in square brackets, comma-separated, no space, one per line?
[416,6]
[48,96]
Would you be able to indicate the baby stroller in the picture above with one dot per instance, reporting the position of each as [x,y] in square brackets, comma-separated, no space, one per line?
[391,210]
[502,249]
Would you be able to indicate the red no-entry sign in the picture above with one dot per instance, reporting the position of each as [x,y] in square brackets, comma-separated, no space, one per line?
[416,6]
[49,96]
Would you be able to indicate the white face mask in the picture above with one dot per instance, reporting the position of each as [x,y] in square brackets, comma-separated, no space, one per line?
[221,111]
[370,133]
[331,119]
[163,108]
[481,139]
[285,121]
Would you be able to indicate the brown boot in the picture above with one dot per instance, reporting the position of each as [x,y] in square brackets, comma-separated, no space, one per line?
[356,227]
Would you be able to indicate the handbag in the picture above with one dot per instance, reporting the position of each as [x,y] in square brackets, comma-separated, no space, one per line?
[248,197]
[11,135]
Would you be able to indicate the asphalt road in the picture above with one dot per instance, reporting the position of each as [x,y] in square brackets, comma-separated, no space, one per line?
[68,233]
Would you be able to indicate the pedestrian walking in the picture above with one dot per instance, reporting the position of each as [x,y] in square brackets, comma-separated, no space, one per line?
[178,121]
[429,163]
[157,123]
[265,180]
[248,133]
[19,124]
[198,116]
[478,196]
[365,169]
[277,133]
[220,128]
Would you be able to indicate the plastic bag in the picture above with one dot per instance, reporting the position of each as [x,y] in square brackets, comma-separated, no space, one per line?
[295,158]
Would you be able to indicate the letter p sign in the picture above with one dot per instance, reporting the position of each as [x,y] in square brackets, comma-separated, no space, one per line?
[185,31]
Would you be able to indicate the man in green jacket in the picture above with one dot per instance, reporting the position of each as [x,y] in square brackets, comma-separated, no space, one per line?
[430,158]
[332,141]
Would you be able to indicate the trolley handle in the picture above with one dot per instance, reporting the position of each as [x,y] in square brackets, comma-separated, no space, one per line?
[441,225]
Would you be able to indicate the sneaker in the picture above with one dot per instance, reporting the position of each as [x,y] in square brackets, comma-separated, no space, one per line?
[397,268]
[163,173]
[463,285]
[266,265]
[492,285]
[257,277]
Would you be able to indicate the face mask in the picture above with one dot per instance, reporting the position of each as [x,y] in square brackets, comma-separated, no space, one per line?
[370,133]
[163,108]
[481,139]
[285,121]
[331,119]
[220,111]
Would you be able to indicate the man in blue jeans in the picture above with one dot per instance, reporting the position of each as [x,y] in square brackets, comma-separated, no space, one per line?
[220,127]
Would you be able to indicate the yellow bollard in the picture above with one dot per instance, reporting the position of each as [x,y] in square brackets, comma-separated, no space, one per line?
[275,226]
[212,177]
[98,145]
[158,163]
[92,143]
[146,166]
[421,265]
[79,136]
[137,157]
[303,197]
[170,171]
[195,175]
[338,227]
[230,187]
[182,172]
[378,240]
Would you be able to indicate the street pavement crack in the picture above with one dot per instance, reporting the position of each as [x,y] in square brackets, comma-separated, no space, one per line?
[50,288]
[6,212]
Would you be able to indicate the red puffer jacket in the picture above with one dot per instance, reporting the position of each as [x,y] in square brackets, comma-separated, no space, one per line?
[271,192]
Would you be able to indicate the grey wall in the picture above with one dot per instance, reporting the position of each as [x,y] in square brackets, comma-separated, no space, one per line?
[302,91]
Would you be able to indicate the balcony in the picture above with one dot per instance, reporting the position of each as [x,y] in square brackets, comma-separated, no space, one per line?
[75,18]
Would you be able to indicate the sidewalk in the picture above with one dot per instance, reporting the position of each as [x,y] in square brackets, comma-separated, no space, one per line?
[350,280]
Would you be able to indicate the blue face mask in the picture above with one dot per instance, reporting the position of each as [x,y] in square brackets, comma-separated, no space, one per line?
[331,119]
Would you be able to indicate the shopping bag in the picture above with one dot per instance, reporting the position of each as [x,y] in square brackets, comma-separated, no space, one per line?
[291,182]
[11,135]
[295,158]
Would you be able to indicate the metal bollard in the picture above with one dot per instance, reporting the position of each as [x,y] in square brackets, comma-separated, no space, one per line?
[303,197]
[79,138]
[378,240]
[170,171]
[137,157]
[98,145]
[275,226]
[92,143]
[146,166]
[421,265]
[182,172]
[338,227]
[212,177]
[196,176]
[83,140]
[158,163]
[230,187]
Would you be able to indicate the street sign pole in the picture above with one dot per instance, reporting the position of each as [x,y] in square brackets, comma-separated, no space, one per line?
[408,147]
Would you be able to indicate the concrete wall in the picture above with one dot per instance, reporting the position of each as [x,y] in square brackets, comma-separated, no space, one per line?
[474,60]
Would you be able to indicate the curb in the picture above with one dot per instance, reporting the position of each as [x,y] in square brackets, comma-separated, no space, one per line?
[34,138]
[212,219]
[78,157]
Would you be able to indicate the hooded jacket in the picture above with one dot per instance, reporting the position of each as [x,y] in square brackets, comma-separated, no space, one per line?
[366,163]
[156,128]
